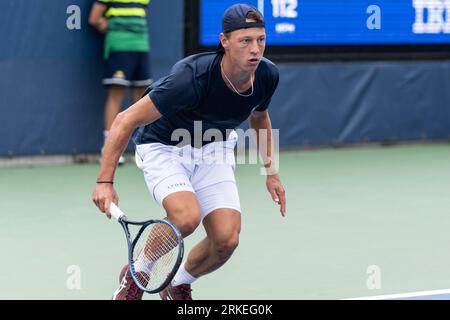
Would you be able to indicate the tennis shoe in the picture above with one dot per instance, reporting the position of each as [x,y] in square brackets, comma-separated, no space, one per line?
[180,292]
[128,289]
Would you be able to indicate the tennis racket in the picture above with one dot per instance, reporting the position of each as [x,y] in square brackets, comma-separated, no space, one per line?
[154,254]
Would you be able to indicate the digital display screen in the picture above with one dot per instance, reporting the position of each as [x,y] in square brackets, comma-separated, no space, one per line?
[338,22]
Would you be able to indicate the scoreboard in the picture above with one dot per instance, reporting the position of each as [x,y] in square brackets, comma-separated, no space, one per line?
[295,24]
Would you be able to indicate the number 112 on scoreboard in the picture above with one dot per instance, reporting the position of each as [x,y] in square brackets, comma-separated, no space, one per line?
[282,8]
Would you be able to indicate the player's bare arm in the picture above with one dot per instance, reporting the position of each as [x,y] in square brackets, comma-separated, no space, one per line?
[261,121]
[96,18]
[141,113]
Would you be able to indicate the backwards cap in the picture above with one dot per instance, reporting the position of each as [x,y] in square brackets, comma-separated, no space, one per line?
[234,18]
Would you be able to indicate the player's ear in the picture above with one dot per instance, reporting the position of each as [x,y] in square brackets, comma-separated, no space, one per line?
[224,41]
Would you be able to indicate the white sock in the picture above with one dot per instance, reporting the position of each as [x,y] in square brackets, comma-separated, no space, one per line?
[182,277]
[143,264]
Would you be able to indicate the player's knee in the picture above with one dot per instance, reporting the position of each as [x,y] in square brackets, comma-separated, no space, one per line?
[185,218]
[225,248]
[188,226]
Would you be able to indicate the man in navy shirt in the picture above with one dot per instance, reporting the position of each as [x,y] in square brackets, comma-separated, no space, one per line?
[184,133]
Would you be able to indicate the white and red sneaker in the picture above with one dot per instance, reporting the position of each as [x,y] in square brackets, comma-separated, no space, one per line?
[180,292]
[128,290]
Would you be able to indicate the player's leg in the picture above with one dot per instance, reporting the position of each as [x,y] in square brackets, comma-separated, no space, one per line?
[113,104]
[137,93]
[118,69]
[183,211]
[220,206]
[216,191]
[116,95]
[220,203]
[222,228]
[169,185]
[141,77]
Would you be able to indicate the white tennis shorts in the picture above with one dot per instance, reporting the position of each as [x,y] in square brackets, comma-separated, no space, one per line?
[208,172]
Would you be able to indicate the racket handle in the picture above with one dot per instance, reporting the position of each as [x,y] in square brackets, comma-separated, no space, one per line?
[115,211]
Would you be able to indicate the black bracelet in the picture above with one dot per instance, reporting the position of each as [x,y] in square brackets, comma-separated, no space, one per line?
[110,182]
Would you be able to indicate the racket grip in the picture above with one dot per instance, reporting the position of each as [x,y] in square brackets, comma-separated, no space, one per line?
[116,213]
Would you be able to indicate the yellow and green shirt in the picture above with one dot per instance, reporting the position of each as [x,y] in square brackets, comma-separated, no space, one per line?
[127,26]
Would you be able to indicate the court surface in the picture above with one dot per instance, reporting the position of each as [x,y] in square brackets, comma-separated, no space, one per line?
[366,221]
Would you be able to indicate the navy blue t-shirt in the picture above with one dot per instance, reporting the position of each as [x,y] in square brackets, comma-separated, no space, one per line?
[195,91]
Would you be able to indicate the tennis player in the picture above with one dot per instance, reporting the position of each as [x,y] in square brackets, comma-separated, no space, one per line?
[184,133]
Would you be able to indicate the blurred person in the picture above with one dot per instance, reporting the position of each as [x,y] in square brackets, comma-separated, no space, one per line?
[219,90]
[126,52]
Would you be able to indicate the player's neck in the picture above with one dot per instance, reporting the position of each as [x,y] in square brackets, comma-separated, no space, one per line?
[240,78]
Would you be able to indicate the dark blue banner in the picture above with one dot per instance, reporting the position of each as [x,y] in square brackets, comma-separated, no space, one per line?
[339,22]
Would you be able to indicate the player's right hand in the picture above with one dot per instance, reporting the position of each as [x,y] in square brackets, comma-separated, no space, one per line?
[103,195]
[103,25]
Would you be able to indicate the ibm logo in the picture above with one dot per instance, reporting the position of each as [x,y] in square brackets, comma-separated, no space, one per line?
[432,16]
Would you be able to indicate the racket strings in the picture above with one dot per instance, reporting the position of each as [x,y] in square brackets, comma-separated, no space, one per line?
[155,255]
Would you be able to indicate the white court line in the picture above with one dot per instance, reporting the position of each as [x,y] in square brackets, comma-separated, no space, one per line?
[404,295]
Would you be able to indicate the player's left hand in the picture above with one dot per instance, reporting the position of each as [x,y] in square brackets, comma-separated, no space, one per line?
[277,192]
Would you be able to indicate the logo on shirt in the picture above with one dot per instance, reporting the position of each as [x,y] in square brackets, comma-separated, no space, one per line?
[176,185]
[119,74]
